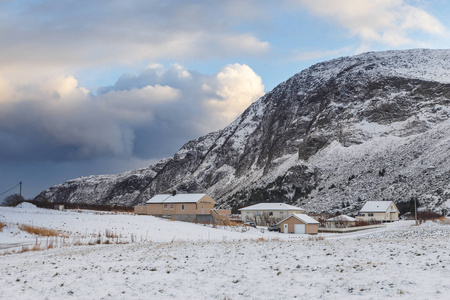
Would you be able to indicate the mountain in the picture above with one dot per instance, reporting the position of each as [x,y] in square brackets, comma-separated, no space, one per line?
[373,126]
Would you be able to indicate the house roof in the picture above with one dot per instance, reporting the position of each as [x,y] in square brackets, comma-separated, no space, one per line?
[271,206]
[178,198]
[376,206]
[341,218]
[302,217]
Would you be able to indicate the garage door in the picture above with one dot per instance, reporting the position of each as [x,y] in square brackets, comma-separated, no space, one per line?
[299,228]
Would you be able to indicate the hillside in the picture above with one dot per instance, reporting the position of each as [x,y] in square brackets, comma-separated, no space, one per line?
[368,127]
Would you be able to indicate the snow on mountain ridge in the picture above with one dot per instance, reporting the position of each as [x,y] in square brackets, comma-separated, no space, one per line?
[285,146]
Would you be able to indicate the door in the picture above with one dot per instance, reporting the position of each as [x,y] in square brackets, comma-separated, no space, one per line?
[286,230]
[300,228]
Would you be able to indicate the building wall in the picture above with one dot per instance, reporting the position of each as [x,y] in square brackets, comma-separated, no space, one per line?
[185,218]
[312,228]
[140,210]
[372,216]
[223,211]
[394,216]
[179,208]
[203,206]
[205,219]
[309,228]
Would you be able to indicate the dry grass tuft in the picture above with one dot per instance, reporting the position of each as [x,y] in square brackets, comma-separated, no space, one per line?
[27,249]
[41,231]
[110,234]
[316,238]
[2,225]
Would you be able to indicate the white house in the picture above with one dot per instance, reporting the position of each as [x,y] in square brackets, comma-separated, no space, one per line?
[384,211]
[268,212]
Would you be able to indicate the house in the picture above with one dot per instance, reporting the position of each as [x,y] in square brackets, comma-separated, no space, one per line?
[299,224]
[58,207]
[384,211]
[183,207]
[268,213]
[342,221]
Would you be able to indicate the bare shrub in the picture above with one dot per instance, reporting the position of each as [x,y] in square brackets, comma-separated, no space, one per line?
[428,215]
[322,220]
[360,222]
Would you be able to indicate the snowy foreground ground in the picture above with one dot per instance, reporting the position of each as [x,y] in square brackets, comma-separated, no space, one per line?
[161,259]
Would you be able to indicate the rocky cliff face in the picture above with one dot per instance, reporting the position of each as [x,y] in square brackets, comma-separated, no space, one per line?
[369,127]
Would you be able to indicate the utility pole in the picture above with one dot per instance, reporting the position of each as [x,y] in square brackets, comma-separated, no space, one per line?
[20,189]
[415,210]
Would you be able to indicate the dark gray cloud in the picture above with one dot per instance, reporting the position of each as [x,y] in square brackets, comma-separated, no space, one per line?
[141,117]
[59,119]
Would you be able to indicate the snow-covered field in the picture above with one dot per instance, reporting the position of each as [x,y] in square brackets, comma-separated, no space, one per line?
[161,259]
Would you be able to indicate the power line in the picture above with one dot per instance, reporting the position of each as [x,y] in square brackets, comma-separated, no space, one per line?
[11,188]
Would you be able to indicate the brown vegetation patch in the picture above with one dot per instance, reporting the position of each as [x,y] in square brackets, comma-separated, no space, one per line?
[41,231]
[2,225]
[315,238]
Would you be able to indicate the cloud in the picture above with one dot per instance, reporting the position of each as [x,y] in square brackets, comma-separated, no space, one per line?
[146,116]
[231,94]
[79,34]
[388,22]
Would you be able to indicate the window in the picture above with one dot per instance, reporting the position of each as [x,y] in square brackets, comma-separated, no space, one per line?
[172,206]
[270,213]
[258,213]
[370,214]
[182,206]
[165,206]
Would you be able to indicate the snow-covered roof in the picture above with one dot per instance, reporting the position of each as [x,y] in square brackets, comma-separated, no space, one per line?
[272,206]
[302,217]
[376,206]
[341,218]
[178,198]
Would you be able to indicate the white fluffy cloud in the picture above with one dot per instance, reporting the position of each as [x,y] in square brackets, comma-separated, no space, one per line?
[235,88]
[389,22]
[145,115]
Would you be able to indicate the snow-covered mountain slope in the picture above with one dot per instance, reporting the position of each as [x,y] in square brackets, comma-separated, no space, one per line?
[369,127]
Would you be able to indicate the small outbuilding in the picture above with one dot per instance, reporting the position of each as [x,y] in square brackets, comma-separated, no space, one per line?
[342,221]
[299,224]
[384,211]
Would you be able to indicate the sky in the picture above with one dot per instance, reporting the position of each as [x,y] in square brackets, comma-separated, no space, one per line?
[103,87]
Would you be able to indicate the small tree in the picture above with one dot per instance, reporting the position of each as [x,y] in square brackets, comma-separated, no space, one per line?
[13,200]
